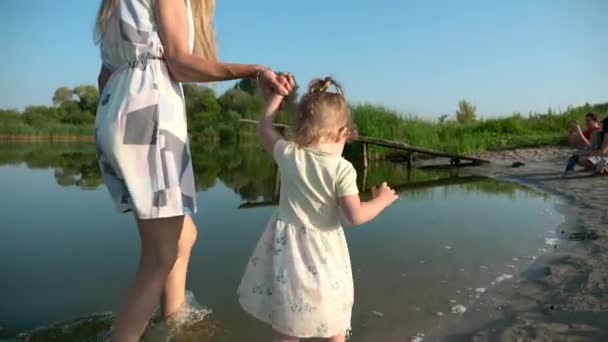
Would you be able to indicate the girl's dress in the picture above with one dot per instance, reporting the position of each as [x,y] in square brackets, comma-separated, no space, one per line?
[299,278]
[140,129]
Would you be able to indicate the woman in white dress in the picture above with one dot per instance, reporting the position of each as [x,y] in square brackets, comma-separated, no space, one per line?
[147,48]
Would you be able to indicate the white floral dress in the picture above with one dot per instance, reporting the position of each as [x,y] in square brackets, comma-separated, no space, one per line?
[299,277]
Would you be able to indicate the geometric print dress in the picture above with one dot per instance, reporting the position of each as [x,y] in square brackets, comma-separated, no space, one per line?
[141,133]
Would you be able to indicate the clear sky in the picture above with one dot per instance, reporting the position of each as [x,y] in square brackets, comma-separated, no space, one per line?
[419,57]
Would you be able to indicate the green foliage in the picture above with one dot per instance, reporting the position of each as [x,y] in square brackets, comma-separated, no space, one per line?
[240,101]
[466,112]
[213,119]
[496,133]
[41,115]
[227,134]
[79,118]
[88,97]
[248,85]
[62,95]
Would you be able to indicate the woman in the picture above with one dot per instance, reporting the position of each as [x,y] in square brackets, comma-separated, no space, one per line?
[147,48]
[582,139]
[597,159]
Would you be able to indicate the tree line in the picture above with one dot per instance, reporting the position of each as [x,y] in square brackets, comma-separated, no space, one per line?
[210,117]
[214,118]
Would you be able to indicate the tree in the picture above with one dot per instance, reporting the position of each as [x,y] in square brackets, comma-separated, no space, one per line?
[240,101]
[202,108]
[248,85]
[466,112]
[41,115]
[62,95]
[442,118]
[88,97]
[78,118]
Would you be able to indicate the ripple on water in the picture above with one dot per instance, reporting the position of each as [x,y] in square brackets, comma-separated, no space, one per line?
[193,322]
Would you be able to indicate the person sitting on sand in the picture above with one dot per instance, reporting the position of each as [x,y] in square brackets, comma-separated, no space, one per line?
[579,138]
[595,158]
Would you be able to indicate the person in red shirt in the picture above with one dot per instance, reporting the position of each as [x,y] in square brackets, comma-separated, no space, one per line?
[581,139]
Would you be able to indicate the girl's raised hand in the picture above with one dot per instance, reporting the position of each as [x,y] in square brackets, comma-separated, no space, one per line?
[274,99]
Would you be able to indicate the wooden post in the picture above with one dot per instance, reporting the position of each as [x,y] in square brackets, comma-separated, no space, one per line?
[365,156]
[364,182]
[410,159]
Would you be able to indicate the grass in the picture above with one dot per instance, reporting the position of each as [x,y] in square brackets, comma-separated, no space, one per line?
[376,121]
[490,134]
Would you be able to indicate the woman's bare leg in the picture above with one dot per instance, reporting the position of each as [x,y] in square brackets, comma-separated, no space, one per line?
[588,165]
[174,291]
[159,250]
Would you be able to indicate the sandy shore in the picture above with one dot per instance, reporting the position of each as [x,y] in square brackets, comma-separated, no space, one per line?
[562,296]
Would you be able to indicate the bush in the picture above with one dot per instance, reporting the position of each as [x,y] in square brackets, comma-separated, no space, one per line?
[78,118]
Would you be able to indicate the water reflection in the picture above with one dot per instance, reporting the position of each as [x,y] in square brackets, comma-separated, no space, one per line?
[451,232]
[244,168]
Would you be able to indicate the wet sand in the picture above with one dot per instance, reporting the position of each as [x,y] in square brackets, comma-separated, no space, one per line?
[563,295]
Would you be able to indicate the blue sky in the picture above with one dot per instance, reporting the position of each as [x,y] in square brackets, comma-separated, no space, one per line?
[420,57]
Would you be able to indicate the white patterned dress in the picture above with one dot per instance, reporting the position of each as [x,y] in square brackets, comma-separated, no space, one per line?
[299,277]
[140,129]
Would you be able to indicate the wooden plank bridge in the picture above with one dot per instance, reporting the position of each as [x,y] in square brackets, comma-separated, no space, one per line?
[455,159]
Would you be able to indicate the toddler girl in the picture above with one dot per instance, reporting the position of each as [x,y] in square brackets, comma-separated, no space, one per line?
[299,278]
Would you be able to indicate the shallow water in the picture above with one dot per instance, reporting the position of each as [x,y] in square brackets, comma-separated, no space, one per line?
[65,254]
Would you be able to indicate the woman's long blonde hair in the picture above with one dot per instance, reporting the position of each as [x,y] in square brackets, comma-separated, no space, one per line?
[202,14]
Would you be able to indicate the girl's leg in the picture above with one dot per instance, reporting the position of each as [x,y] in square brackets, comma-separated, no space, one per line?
[339,338]
[174,291]
[159,249]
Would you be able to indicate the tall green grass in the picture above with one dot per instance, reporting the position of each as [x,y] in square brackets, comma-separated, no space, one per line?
[489,134]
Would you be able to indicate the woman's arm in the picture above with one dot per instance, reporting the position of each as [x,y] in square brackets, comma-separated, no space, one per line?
[102,79]
[187,67]
[581,136]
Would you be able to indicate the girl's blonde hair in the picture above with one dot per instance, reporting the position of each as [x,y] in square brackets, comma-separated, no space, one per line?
[202,14]
[323,115]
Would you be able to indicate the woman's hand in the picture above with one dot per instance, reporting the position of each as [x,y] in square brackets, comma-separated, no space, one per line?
[281,84]
[275,99]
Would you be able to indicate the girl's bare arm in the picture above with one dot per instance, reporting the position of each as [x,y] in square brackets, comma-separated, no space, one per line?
[357,212]
[267,132]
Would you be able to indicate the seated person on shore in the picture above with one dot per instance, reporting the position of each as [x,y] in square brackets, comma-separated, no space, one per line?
[594,157]
[579,138]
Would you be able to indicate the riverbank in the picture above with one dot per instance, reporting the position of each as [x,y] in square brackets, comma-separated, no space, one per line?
[562,296]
